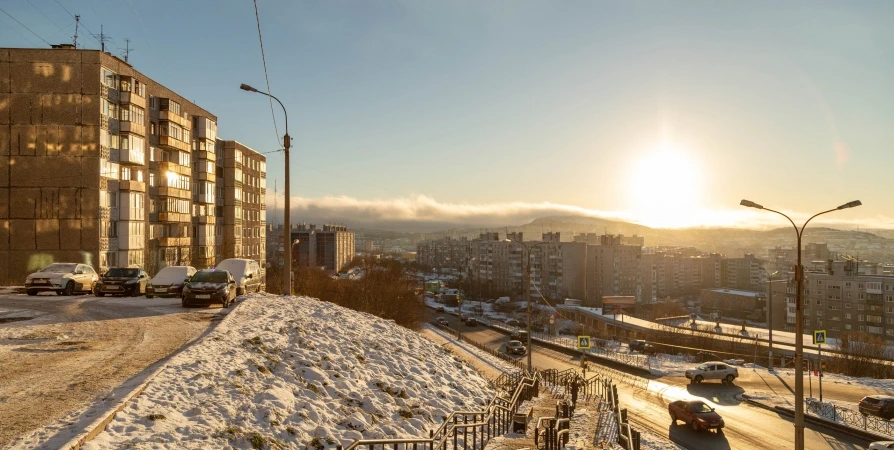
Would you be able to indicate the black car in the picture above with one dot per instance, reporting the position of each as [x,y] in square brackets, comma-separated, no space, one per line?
[516,348]
[123,281]
[877,405]
[209,286]
[520,336]
[636,346]
[471,322]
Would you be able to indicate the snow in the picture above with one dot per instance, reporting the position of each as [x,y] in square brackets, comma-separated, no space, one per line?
[171,275]
[290,371]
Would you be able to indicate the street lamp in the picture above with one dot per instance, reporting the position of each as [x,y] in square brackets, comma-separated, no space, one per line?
[770,313]
[528,293]
[287,226]
[799,319]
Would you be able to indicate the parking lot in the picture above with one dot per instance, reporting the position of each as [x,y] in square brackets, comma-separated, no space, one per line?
[59,354]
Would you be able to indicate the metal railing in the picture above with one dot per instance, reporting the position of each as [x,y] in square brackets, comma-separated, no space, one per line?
[849,417]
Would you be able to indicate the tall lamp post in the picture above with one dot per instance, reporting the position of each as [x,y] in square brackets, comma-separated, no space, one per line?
[528,293]
[770,313]
[286,225]
[799,318]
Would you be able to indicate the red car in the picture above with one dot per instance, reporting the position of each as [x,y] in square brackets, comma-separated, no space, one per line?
[696,414]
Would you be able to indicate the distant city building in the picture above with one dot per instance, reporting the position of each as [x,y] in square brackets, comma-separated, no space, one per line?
[733,304]
[330,248]
[444,252]
[242,175]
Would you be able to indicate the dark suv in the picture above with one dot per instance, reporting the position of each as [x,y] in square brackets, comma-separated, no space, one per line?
[636,346]
[878,405]
[520,336]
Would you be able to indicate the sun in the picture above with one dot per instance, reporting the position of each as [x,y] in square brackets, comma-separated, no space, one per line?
[665,189]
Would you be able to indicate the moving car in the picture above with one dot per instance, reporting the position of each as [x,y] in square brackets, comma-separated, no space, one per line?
[123,281]
[471,322]
[62,278]
[881,445]
[168,282]
[713,370]
[209,286]
[512,323]
[246,272]
[442,321]
[439,309]
[877,405]
[516,348]
[519,335]
[636,345]
[696,414]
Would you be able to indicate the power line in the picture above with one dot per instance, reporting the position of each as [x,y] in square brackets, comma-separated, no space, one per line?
[77,19]
[264,60]
[47,17]
[23,26]
[141,22]
[8,27]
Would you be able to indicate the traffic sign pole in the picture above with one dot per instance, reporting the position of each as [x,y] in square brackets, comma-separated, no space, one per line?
[820,371]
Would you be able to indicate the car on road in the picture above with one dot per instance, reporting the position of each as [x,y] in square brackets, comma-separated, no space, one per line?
[246,272]
[516,348]
[123,281]
[210,286]
[439,309]
[713,370]
[696,414]
[442,321]
[878,406]
[512,323]
[471,321]
[881,445]
[168,282]
[519,335]
[62,278]
[636,345]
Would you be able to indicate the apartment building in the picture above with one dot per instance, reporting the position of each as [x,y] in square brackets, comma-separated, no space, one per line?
[676,273]
[443,252]
[99,164]
[613,269]
[745,273]
[782,259]
[733,304]
[241,207]
[330,248]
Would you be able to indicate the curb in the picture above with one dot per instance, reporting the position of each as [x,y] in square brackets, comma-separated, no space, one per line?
[747,398]
[844,429]
[99,425]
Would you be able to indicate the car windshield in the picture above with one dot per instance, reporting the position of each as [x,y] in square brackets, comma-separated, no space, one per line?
[59,268]
[127,272]
[700,408]
[209,277]
[173,274]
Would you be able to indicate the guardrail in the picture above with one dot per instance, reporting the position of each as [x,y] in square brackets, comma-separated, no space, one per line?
[849,417]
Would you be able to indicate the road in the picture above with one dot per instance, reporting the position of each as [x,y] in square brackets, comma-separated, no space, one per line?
[646,399]
[58,355]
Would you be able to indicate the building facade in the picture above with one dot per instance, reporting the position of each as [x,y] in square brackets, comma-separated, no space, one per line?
[330,248]
[242,181]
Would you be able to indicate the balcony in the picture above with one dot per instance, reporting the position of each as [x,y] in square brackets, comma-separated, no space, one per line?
[133,99]
[167,141]
[206,220]
[132,214]
[174,217]
[168,166]
[109,93]
[171,117]
[129,156]
[127,126]
[131,185]
[206,155]
[108,213]
[173,242]
[166,191]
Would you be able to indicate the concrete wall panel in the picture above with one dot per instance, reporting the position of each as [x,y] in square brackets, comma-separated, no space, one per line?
[4,170]
[22,203]
[69,203]
[5,105]
[4,203]
[89,203]
[21,108]
[62,109]
[69,234]
[90,81]
[48,206]
[47,234]
[21,235]
[4,238]
[90,173]
[90,234]
[4,70]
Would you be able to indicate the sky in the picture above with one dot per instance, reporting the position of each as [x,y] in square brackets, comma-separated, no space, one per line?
[660,113]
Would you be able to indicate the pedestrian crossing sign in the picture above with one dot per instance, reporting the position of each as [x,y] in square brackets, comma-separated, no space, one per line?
[819,337]
[583,342]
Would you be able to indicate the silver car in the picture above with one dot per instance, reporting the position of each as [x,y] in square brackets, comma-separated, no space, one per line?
[62,278]
[713,370]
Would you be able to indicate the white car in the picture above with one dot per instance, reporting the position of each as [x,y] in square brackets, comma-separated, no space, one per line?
[168,282]
[62,278]
[713,370]
[881,445]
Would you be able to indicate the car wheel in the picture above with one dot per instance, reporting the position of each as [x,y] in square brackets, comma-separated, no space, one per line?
[694,425]
[240,291]
[183,302]
[258,289]
[69,289]
[674,418]
[148,296]
[32,292]
[100,294]
[698,379]
[730,378]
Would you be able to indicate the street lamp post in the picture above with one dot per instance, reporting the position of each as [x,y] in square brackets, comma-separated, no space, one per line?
[770,313]
[286,225]
[799,318]
[528,294]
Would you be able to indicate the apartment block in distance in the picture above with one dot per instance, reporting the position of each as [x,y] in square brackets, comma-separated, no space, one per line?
[94,163]
[330,248]
[242,189]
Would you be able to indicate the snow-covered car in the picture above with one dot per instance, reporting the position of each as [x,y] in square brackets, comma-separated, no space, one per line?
[516,348]
[168,282]
[62,278]
[713,370]
[881,445]
[210,286]
[246,272]
[123,281]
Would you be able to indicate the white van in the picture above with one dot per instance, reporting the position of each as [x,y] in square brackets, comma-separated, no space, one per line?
[247,273]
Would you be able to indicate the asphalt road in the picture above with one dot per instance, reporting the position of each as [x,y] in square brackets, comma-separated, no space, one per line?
[59,355]
[747,426]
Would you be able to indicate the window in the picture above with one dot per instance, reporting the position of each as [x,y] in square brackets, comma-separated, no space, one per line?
[847,326]
[153,102]
[153,128]
[109,79]
[847,316]
[151,179]
[860,307]
[847,305]
[861,318]
[847,284]
[861,296]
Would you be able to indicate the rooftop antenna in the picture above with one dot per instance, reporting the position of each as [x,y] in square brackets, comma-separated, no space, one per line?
[126,49]
[102,38]
[77,22]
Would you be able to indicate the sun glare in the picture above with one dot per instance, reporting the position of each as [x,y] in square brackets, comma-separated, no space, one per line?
[665,189]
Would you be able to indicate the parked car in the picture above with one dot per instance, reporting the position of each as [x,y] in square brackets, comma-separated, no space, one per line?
[636,345]
[471,321]
[649,349]
[713,370]
[123,281]
[442,321]
[246,272]
[516,348]
[168,282]
[519,335]
[696,414]
[439,309]
[210,286]
[877,405]
[701,357]
[62,278]
[512,323]
[881,445]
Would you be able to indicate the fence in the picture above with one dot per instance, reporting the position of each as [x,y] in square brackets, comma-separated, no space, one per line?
[849,417]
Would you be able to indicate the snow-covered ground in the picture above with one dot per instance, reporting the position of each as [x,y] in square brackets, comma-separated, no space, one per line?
[297,373]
